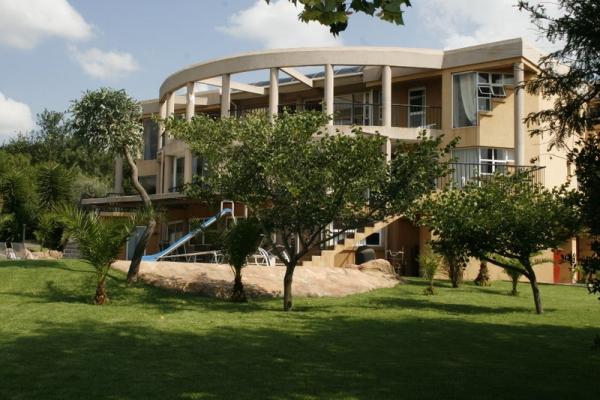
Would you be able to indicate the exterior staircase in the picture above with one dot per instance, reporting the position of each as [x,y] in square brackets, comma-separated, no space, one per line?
[326,257]
[71,250]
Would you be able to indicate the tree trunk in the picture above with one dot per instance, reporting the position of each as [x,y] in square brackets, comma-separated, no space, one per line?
[456,273]
[138,252]
[100,297]
[238,295]
[287,287]
[515,282]
[483,277]
[534,288]
[140,248]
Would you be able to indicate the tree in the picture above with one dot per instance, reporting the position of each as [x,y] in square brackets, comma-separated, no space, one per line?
[238,243]
[19,199]
[297,180]
[483,277]
[100,240]
[336,13]
[53,141]
[587,168]
[54,184]
[444,215]
[429,262]
[110,121]
[570,77]
[54,187]
[506,217]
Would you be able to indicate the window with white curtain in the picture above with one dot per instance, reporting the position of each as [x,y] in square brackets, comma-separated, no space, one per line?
[473,92]
[464,100]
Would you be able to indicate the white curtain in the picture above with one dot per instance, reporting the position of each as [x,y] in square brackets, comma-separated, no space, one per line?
[464,170]
[465,100]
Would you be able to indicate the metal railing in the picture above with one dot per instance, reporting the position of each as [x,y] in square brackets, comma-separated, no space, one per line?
[463,173]
[410,116]
[366,114]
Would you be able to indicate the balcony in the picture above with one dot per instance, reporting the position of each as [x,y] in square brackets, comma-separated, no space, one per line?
[463,173]
[364,114]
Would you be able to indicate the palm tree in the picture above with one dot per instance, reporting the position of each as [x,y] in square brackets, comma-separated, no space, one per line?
[240,241]
[100,241]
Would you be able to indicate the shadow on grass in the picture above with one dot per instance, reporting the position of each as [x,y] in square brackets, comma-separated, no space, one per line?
[79,285]
[332,358]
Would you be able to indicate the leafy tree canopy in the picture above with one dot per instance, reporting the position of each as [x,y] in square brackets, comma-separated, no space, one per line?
[336,13]
[108,120]
[507,217]
[297,178]
[570,76]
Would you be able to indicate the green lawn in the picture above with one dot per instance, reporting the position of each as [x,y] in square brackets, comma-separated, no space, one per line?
[474,343]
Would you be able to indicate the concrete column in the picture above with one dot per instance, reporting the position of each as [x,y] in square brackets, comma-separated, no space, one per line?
[519,78]
[170,112]
[274,93]
[386,95]
[388,150]
[161,127]
[190,103]
[189,113]
[167,173]
[170,104]
[118,175]
[225,95]
[329,91]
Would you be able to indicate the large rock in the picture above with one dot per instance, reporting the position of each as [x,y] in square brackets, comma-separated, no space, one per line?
[378,265]
[216,280]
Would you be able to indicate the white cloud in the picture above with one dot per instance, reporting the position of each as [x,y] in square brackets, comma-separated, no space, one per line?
[460,23]
[15,117]
[104,64]
[24,23]
[276,25]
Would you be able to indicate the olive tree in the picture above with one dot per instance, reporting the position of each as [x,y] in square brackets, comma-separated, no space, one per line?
[110,121]
[297,178]
[503,218]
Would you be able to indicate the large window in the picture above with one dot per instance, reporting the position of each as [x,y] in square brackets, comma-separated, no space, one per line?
[495,160]
[416,112]
[474,162]
[464,101]
[473,92]
[150,139]
[178,168]
[489,86]
[199,166]
[355,109]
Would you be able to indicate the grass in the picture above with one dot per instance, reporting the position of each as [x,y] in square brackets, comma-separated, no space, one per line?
[467,343]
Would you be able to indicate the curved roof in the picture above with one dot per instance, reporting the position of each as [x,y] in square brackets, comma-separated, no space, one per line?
[356,56]
[301,57]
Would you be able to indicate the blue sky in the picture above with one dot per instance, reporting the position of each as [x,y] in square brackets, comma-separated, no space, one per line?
[52,50]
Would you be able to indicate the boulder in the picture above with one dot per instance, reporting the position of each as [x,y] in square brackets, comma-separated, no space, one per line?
[378,265]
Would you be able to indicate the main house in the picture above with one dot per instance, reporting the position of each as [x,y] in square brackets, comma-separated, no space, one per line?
[471,93]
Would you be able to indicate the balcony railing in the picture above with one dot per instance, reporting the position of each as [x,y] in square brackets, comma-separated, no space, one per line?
[463,173]
[403,115]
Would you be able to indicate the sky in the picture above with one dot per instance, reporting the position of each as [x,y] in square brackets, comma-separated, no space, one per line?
[53,50]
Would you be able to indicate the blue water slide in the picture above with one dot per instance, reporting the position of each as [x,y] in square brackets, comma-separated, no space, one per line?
[190,235]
